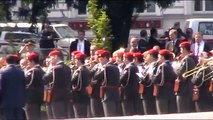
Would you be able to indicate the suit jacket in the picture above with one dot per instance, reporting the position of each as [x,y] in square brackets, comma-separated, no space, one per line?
[207,47]
[187,63]
[73,47]
[79,82]
[35,86]
[110,83]
[142,45]
[130,82]
[45,42]
[166,75]
[176,49]
[12,87]
[152,42]
[61,85]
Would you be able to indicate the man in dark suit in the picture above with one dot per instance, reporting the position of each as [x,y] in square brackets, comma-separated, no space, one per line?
[46,42]
[58,80]
[79,83]
[200,46]
[81,44]
[152,39]
[34,86]
[109,78]
[12,90]
[173,44]
[142,43]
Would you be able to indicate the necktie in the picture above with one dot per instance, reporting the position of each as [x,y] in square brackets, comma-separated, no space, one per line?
[198,48]
[173,46]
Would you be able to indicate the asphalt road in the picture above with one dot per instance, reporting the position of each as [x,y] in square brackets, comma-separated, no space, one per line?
[192,116]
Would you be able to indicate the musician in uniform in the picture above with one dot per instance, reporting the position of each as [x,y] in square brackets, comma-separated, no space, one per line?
[129,83]
[79,82]
[119,60]
[150,67]
[108,76]
[58,81]
[34,87]
[95,100]
[163,81]
[202,82]
[184,85]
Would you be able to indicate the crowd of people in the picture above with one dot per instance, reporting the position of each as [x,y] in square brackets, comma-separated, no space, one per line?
[146,78]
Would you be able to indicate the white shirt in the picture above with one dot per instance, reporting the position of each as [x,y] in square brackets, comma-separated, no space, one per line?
[201,48]
[80,46]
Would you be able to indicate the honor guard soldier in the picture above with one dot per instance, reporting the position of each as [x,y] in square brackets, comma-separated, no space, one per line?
[119,60]
[108,76]
[79,82]
[163,80]
[94,89]
[129,84]
[58,82]
[34,87]
[202,80]
[183,85]
[146,93]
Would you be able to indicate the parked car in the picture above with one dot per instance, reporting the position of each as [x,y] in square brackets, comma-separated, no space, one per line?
[202,25]
[11,41]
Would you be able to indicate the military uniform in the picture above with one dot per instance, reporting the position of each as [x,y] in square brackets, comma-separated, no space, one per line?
[129,96]
[148,101]
[35,89]
[79,82]
[59,77]
[109,93]
[205,100]
[95,100]
[184,94]
[163,82]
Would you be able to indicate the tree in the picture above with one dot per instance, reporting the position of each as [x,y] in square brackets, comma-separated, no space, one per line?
[100,25]
[120,13]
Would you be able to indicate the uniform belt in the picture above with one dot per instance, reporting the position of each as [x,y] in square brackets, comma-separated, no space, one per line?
[167,85]
[110,86]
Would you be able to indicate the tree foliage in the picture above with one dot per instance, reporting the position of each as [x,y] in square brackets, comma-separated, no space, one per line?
[100,25]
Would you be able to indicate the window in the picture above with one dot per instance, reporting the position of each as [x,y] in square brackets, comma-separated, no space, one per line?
[151,7]
[206,28]
[198,5]
[82,7]
[65,31]
[209,4]
[203,5]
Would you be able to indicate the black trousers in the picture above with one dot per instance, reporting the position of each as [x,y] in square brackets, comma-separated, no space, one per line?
[96,107]
[110,108]
[184,104]
[15,113]
[166,105]
[80,110]
[149,106]
[204,105]
[57,110]
[33,111]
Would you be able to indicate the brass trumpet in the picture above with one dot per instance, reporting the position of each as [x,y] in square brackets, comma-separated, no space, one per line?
[199,68]
[192,71]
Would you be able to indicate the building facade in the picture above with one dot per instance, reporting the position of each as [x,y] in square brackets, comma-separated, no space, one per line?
[163,19]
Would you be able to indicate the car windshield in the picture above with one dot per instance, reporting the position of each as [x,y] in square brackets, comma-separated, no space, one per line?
[19,36]
[65,31]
